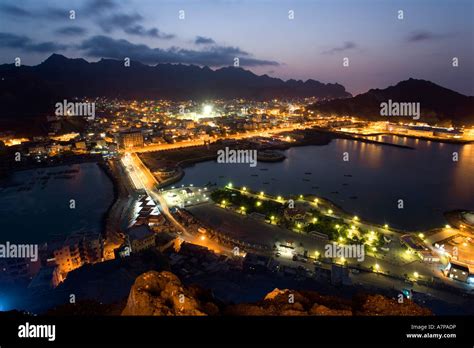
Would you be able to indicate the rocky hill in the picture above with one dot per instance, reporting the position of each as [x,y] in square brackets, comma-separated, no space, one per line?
[163,294]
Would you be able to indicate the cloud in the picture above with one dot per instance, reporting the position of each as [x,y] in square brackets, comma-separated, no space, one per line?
[153,32]
[348,45]
[26,44]
[14,11]
[44,13]
[105,47]
[71,31]
[420,35]
[119,21]
[201,40]
[97,6]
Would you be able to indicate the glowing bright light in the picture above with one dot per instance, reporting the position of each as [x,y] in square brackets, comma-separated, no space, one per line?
[447,226]
[356,218]
[244,188]
[385,226]
[421,235]
[203,237]
[416,275]
[229,185]
[315,220]
[207,110]
[377,266]
[259,204]
[330,211]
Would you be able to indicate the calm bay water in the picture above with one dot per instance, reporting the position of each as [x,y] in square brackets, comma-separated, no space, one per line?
[370,184]
[38,209]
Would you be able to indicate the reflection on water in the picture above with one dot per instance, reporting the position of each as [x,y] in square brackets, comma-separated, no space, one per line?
[426,178]
[37,207]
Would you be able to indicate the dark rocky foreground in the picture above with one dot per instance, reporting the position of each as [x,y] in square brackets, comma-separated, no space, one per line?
[163,294]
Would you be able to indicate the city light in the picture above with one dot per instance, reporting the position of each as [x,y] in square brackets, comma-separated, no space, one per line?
[207,110]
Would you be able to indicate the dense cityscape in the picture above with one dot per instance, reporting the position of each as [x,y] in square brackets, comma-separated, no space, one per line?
[161,172]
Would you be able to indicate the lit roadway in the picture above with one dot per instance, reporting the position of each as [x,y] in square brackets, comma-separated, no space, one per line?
[143,179]
[189,143]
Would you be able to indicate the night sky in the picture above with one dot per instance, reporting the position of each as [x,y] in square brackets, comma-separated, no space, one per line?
[382,49]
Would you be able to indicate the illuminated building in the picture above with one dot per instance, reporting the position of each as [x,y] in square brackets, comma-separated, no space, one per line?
[131,139]
[457,271]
